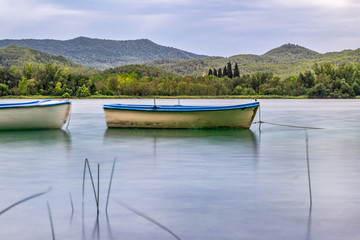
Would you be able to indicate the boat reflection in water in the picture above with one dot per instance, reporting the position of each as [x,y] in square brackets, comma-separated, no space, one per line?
[29,138]
[236,140]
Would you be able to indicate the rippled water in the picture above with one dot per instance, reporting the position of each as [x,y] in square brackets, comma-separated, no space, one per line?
[200,184]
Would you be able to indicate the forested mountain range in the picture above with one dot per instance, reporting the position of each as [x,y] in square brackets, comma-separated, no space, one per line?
[18,56]
[284,61]
[289,70]
[14,56]
[103,54]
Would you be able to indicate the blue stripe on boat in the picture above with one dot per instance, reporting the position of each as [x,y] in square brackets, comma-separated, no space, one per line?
[41,103]
[177,108]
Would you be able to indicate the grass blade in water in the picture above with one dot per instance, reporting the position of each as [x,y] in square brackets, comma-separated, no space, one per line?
[72,204]
[92,182]
[51,222]
[24,200]
[148,218]
[111,177]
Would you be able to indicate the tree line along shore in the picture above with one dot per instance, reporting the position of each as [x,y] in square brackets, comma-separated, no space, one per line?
[324,80]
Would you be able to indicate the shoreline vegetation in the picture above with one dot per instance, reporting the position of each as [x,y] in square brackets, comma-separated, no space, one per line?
[160,97]
[323,81]
[258,97]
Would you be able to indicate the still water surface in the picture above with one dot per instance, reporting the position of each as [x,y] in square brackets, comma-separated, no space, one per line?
[200,184]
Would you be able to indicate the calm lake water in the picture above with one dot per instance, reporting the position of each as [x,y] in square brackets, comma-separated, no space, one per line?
[200,184]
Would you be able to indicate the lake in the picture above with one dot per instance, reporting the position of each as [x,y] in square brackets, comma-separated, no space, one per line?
[198,184]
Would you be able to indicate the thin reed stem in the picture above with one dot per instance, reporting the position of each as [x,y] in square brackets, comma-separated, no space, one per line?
[96,230]
[308,166]
[51,222]
[71,201]
[111,237]
[83,186]
[148,218]
[92,182]
[98,190]
[111,177]
[24,200]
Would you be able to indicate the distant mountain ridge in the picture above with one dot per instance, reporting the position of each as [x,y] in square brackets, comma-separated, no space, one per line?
[286,60]
[18,56]
[102,54]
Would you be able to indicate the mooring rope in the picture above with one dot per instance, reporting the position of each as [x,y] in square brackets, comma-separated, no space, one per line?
[280,124]
[68,120]
[286,125]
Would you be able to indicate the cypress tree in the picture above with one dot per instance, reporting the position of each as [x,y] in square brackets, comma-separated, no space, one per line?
[229,70]
[236,71]
[215,72]
[220,73]
[225,72]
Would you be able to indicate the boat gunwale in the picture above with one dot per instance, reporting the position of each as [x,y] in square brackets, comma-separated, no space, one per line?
[43,103]
[177,108]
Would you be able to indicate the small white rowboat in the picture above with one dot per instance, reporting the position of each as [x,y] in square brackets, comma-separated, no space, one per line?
[45,114]
[179,116]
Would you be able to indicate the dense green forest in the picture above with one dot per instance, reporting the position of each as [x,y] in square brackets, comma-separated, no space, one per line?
[323,80]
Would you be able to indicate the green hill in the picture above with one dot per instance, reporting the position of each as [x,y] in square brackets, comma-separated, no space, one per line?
[19,56]
[102,54]
[140,70]
[289,52]
[287,60]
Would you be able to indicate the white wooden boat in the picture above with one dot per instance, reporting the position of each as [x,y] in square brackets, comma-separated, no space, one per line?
[179,116]
[44,114]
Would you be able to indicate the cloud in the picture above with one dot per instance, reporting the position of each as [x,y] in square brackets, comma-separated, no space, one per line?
[146,23]
[312,3]
[171,2]
[32,10]
[34,17]
[200,26]
[290,4]
[146,3]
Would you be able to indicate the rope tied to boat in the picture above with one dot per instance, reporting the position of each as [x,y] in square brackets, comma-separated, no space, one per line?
[286,125]
[280,124]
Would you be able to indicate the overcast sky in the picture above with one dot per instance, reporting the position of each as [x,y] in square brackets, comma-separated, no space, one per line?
[210,27]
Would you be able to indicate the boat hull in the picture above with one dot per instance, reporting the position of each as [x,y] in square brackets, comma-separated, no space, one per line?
[34,117]
[212,119]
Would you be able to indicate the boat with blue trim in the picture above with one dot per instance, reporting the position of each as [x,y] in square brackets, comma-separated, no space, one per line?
[42,114]
[180,116]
